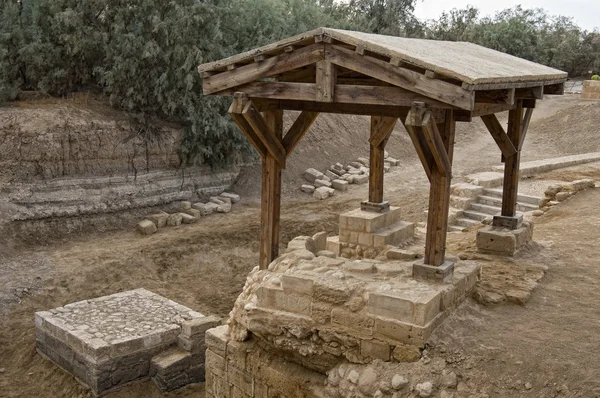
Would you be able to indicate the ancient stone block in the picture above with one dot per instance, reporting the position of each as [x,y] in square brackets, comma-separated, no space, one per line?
[147,227]
[174,220]
[375,349]
[307,188]
[297,284]
[199,326]
[360,323]
[340,185]
[216,339]
[160,219]
[503,241]
[323,193]
[322,183]
[280,300]
[187,218]
[234,197]
[204,209]
[392,305]
[224,208]
[311,175]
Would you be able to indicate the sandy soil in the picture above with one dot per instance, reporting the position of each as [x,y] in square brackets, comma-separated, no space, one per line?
[550,343]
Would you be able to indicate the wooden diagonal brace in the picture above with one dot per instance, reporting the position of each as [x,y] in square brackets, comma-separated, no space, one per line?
[297,131]
[422,151]
[436,145]
[495,128]
[264,133]
[246,128]
[382,130]
[525,126]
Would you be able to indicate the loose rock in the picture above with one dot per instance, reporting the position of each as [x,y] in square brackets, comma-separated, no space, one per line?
[224,208]
[323,193]
[184,205]
[367,383]
[399,382]
[340,185]
[147,227]
[174,220]
[449,379]
[561,196]
[353,376]
[307,188]
[187,218]
[234,197]
[424,389]
[322,183]
[311,175]
[159,219]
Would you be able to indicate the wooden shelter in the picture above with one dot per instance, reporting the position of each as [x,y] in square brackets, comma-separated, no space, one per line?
[427,85]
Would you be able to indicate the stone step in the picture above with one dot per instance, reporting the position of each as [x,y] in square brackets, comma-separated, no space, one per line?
[497,202]
[475,215]
[394,235]
[175,368]
[467,222]
[484,208]
[533,200]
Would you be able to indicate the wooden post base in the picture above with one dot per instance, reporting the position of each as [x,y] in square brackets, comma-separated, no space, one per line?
[443,273]
[508,222]
[375,207]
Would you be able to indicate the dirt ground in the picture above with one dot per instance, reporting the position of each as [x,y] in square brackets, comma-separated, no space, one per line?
[546,348]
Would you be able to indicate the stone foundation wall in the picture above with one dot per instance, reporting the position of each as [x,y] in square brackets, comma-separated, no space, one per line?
[591,90]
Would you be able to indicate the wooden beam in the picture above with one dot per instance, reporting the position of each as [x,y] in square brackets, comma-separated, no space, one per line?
[381,129]
[525,126]
[271,194]
[499,135]
[343,93]
[235,111]
[501,86]
[269,67]
[505,96]
[529,103]
[324,107]
[297,131]
[439,200]
[530,93]
[511,164]
[261,129]
[401,77]
[325,78]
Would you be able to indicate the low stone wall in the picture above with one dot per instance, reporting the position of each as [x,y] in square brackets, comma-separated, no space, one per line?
[591,90]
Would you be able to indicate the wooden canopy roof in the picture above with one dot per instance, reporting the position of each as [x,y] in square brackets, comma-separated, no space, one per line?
[466,62]
[370,69]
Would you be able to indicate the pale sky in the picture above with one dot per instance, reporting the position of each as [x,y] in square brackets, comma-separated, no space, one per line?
[585,12]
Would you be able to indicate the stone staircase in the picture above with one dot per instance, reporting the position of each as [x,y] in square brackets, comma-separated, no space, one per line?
[487,204]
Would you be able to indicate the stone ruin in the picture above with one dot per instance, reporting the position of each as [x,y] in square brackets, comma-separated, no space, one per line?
[111,341]
[315,324]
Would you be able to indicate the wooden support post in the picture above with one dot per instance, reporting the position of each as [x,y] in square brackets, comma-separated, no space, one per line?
[439,200]
[271,194]
[508,216]
[381,129]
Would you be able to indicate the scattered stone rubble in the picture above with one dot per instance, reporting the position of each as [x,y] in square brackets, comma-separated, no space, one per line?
[189,213]
[338,177]
[110,341]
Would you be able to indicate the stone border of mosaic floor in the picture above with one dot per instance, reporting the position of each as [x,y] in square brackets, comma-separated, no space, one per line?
[110,341]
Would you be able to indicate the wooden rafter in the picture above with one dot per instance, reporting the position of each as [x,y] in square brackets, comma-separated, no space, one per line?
[497,131]
[530,93]
[401,77]
[269,67]
[436,145]
[298,129]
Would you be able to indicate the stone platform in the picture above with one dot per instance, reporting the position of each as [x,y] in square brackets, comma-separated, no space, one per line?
[110,341]
[315,313]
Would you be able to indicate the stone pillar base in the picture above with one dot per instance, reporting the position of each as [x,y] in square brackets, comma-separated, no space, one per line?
[503,241]
[508,222]
[443,273]
[375,207]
